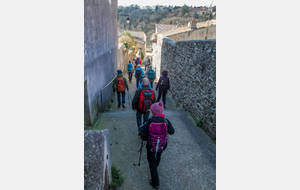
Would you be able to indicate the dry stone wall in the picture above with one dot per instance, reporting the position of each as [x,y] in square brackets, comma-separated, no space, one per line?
[191,67]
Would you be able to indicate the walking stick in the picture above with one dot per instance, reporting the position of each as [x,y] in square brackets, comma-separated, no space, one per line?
[141,149]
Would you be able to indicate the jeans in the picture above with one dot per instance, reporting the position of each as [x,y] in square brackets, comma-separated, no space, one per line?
[164,92]
[123,97]
[139,118]
[153,163]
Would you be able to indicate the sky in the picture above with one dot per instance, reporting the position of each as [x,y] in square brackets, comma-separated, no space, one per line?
[142,3]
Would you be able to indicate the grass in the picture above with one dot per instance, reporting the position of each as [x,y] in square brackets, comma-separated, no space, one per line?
[116,177]
[199,123]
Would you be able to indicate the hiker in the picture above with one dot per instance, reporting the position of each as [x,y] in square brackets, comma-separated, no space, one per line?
[151,75]
[156,126]
[133,62]
[120,83]
[142,100]
[141,84]
[139,73]
[130,71]
[138,61]
[163,85]
[147,63]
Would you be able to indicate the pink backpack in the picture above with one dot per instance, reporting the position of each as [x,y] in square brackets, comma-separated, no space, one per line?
[158,136]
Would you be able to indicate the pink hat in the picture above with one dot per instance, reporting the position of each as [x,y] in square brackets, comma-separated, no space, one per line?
[157,108]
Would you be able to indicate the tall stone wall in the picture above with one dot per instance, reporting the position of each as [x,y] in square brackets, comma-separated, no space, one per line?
[191,67]
[156,58]
[100,52]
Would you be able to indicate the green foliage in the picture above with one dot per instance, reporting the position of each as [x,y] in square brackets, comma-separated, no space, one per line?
[116,177]
[142,56]
[128,34]
[199,122]
[184,9]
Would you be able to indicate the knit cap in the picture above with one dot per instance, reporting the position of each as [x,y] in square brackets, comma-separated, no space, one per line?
[150,67]
[157,108]
[119,71]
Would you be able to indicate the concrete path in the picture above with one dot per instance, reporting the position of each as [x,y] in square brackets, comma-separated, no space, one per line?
[189,162]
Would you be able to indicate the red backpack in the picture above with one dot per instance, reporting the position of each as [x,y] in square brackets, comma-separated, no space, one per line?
[145,100]
[120,84]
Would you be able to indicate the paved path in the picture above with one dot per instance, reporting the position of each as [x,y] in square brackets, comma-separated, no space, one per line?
[189,162]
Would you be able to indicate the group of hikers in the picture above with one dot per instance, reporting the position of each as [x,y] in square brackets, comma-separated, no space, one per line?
[155,129]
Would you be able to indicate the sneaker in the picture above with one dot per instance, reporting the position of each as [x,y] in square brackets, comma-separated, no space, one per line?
[155,187]
[123,105]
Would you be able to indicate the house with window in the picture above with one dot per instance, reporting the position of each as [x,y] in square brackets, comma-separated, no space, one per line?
[200,11]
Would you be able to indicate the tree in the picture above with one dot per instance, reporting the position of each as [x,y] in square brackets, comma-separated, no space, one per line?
[156,8]
[184,9]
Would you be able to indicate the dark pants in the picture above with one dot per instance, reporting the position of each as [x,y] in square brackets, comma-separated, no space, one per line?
[164,92]
[151,83]
[153,164]
[130,75]
[123,97]
[137,82]
[139,118]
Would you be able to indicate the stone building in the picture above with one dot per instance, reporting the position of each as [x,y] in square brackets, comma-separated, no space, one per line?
[100,52]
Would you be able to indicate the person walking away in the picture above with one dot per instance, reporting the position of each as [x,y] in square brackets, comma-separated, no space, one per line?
[138,61]
[163,85]
[141,103]
[139,73]
[133,62]
[151,75]
[130,71]
[155,131]
[147,63]
[141,84]
[120,82]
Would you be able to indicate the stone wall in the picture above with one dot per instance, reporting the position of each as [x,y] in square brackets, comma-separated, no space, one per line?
[97,162]
[197,34]
[156,58]
[100,52]
[191,67]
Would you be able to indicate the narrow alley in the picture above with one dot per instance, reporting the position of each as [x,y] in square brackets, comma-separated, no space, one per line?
[189,162]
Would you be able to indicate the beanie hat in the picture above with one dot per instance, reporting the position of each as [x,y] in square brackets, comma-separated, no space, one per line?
[157,108]
[150,67]
[119,71]
[139,65]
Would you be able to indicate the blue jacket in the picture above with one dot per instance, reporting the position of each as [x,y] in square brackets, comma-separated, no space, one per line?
[141,84]
[141,70]
[129,67]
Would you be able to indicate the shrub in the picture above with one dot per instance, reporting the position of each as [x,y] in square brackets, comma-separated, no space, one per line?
[116,177]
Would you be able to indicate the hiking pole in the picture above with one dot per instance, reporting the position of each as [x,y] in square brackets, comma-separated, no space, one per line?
[141,149]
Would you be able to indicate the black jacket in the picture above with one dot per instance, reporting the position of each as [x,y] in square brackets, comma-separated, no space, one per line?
[155,119]
[135,101]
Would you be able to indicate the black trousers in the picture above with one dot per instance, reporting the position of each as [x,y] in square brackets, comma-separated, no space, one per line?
[130,75]
[151,83]
[164,93]
[153,164]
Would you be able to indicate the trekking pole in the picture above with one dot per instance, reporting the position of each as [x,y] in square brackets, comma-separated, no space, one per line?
[141,149]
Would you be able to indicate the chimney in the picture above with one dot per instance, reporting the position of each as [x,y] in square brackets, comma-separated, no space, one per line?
[193,24]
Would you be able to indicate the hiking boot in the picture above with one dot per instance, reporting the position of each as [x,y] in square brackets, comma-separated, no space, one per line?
[155,187]
[119,105]
[123,105]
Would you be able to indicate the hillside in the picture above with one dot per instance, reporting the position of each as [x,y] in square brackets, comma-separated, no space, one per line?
[144,19]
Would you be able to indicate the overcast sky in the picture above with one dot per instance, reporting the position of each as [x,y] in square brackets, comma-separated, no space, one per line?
[142,3]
